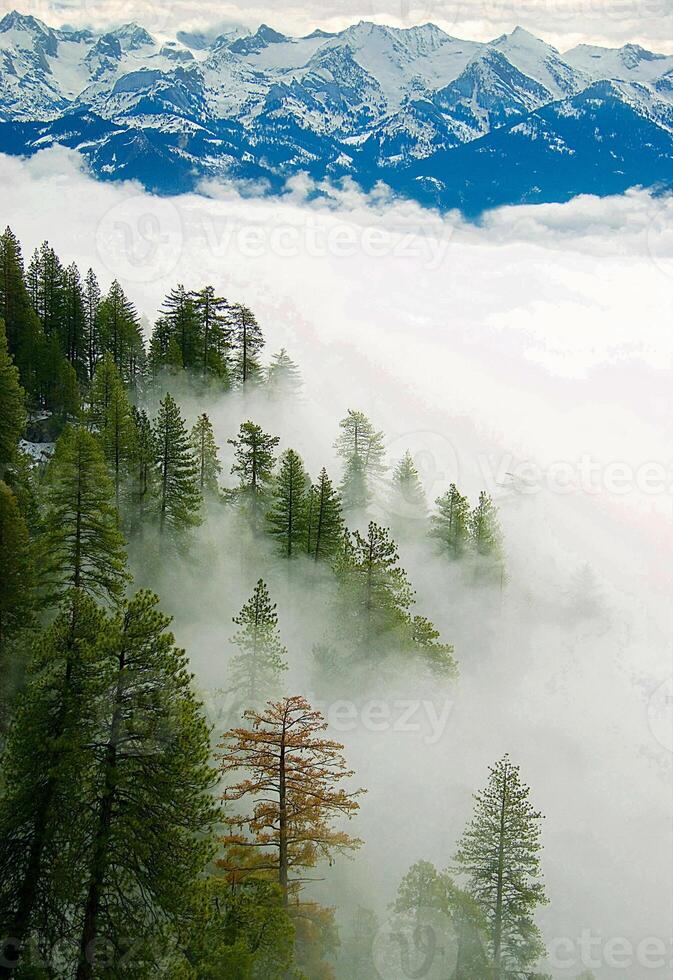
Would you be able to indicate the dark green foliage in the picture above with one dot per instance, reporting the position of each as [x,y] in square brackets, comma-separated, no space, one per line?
[177,490]
[17,594]
[142,464]
[247,342]
[485,529]
[149,808]
[24,333]
[81,546]
[287,518]
[114,421]
[324,520]
[206,452]
[256,669]
[119,333]
[181,321]
[46,287]
[354,489]
[254,461]
[241,933]
[499,854]
[74,327]
[212,311]
[451,525]
[44,770]
[376,591]
[12,405]
[92,301]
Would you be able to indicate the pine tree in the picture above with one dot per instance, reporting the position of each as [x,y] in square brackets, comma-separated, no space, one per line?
[92,301]
[177,490]
[324,525]
[151,756]
[486,540]
[46,287]
[254,461]
[24,333]
[143,463]
[43,772]
[287,516]
[424,890]
[74,323]
[283,376]
[257,668]
[12,405]
[111,409]
[119,332]
[212,311]
[247,342]
[408,502]
[180,316]
[451,525]
[291,779]
[206,452]
[376,593]
[499,853]
[17,590]
[361,447]
[354,490]
[81,546]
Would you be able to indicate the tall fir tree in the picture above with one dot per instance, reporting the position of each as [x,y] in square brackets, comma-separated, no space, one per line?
[376,593]
[120,333]
[46,287]
[486,540]
[17,594]
[115,425]
[451,524]
[43,771]
[499,854]
[408,503]
[283,377]
[247,342]
[177,489]
[151,756]
[81,546]
[257,668]
[254,461]
[324,523]
[143,465]
[206,453]
[361,447]
[181,318]
[24,332]
[74,323]
[92,300]
[212,311]
[12,405]
[287,518]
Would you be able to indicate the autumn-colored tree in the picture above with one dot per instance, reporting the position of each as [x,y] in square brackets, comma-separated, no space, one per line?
[291,783]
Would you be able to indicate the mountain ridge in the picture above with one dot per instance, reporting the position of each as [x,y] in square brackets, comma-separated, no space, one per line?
[412,107]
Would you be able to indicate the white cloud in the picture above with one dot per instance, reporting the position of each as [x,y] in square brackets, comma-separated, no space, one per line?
[541,336]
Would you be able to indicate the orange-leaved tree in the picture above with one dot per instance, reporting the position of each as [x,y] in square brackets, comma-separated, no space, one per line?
[292,783]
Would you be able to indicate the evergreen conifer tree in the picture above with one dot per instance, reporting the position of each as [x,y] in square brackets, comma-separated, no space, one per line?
[324,525]
[180,316]
[81,546]
[74,323]
[12,405]
[206,452]
[287,518]
[451,525]
[499,853]
[408,503]
[119,332]
[177,489]
[143,463]
[17,592]
[283,376]
[24,333]
[247,342]
[212,311]
[92,301]
[257,667]
[254,460]
[150,756]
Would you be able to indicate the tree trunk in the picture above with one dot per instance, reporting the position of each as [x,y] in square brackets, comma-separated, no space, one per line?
[282,825]
[497,926]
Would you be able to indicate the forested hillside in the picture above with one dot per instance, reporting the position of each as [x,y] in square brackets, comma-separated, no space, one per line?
[140,834]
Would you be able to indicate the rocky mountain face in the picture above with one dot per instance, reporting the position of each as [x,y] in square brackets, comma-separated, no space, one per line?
[448,122]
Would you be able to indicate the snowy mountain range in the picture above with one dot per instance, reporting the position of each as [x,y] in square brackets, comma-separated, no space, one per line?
[447,122]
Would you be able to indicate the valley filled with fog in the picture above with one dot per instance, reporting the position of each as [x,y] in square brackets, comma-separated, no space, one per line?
[528,355]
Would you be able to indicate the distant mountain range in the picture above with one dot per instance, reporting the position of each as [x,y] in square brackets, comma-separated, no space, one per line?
[449,123]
